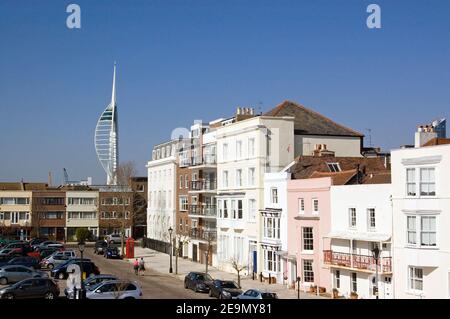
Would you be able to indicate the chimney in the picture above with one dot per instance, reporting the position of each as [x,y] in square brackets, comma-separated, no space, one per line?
[238,111]
[321,151]
[424,134]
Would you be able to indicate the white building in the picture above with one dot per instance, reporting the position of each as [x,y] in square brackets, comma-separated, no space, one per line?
[161,210]
[361,219]
[246,150]
[421,216]
[82,212]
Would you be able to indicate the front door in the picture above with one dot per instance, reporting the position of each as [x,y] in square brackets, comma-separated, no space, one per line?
[388,288]
[194,252]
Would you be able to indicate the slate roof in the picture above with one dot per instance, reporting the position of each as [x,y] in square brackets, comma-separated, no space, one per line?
[309,122]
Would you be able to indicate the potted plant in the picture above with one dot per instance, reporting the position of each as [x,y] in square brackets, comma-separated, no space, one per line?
[335,293]
[353,295]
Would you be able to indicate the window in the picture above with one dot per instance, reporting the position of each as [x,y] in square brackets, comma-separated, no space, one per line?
[271,261]
[251,147]
[354,282]
[371,218]
[81,201]
[220,207]
[239,210]
[308,241]
[233,208]
[337,279]
[415,278]
[251,176]
[183,203]
[411,181]
[127,215]
[352,217]
[181,181]
[252,209]
[315,205]
[225,179]
[334,167]
[181,224]
[428,231]
[301,205]
[272,227]
[274,194]
[427,182]
[238,178]
[411,229]
[225,152]
[238,149]
[186,181]
[308,273]
[14,201]
[225,209]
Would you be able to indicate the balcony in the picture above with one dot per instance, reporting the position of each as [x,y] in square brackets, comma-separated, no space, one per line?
[205,211]
[202,186]
[361,262]
[208,234]
[184,162]
[208,160]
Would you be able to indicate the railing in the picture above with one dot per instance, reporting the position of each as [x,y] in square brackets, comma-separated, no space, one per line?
[203,234]
[207,159]
[203,210]
[202,185]
[185,162]
[359,261]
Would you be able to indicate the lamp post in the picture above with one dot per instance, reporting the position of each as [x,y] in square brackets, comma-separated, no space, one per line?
[376,256]
[298,287]
[81,248]
[170,245]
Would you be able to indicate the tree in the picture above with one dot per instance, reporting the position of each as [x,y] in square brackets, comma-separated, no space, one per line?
[125,172]
[238,267]
[82,234]
[181,239]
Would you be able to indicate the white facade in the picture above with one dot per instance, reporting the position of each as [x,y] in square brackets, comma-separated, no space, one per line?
[361,218]
[82,211]
[274,229]
[246,151]
[340,145]
[161,205]
[421,215]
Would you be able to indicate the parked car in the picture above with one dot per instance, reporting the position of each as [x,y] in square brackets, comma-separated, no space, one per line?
[37,241]
[14,273]
[112,253]
[115,238]
[257,294]
[48,244]
[90,282]
[115,289]
[100,247]
[31,288]
[7,252]
[224,289]
[57,258]
[197,281]
[89,268]
[19,247]
[25,261]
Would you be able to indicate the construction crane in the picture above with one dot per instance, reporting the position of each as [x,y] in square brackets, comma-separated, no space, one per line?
[66,177]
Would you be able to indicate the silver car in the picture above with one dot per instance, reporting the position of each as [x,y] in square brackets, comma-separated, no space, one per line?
[257,294]
[16,273]
[57,258]
[115,289]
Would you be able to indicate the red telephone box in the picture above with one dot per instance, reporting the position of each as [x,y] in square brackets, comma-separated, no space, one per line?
[130,248]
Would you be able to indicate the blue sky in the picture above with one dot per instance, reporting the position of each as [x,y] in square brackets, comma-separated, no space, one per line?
[195,59]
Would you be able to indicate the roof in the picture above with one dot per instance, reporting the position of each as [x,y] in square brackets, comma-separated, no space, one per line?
[338,178]
[377,178]
[437,141]
[20,186]
[306,166]
[309,122]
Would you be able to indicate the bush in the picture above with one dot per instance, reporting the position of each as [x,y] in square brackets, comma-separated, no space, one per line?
[82,234]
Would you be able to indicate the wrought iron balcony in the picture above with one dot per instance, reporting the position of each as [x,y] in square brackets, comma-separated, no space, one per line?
[203,210]
[355,261]
[208,234]
[202,185]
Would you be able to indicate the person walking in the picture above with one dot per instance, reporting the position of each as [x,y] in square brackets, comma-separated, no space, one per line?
[136,267]
[142,266]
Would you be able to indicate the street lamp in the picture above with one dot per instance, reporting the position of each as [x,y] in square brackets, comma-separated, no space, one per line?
[81,246]
[170,245]
[376,256]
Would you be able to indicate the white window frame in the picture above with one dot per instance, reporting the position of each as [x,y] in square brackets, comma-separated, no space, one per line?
[251,176]
[418,231]
[313,207]
[369,219]
[308,241]
[352,219]
[238,149]
[274,195]
[239,178]
[183,204]
[430,184]
[414,279]
[252,209]
[251,147]
[225,179]
[225,151]
[301,206]
[271,227]
[308,271]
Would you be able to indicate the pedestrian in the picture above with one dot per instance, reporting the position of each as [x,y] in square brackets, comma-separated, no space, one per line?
[142,266]
[136,267]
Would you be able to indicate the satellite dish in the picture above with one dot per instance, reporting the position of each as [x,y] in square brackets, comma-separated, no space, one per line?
[74,279]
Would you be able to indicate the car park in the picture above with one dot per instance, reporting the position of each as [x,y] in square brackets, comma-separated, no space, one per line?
[14,273]
[224,289]
[100,247]
[89,268]
[112,253]
[90,282]
[48,244]
[257,294]
[115,289]
[197,281]
[57,258]
[31,288]
[24,261]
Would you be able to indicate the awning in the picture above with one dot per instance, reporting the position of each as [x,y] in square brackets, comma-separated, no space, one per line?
[365,236]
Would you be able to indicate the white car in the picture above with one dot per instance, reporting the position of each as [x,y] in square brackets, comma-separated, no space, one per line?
[57,258]
[257,294]
[115,238]
[115,289]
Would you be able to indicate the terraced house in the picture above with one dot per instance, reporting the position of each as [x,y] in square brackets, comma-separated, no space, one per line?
[82,211]
[49,213]
[115,210]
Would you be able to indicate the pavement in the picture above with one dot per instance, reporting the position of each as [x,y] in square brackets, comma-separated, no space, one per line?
[159,263]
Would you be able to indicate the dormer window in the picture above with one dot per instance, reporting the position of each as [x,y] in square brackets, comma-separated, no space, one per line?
[334,167]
